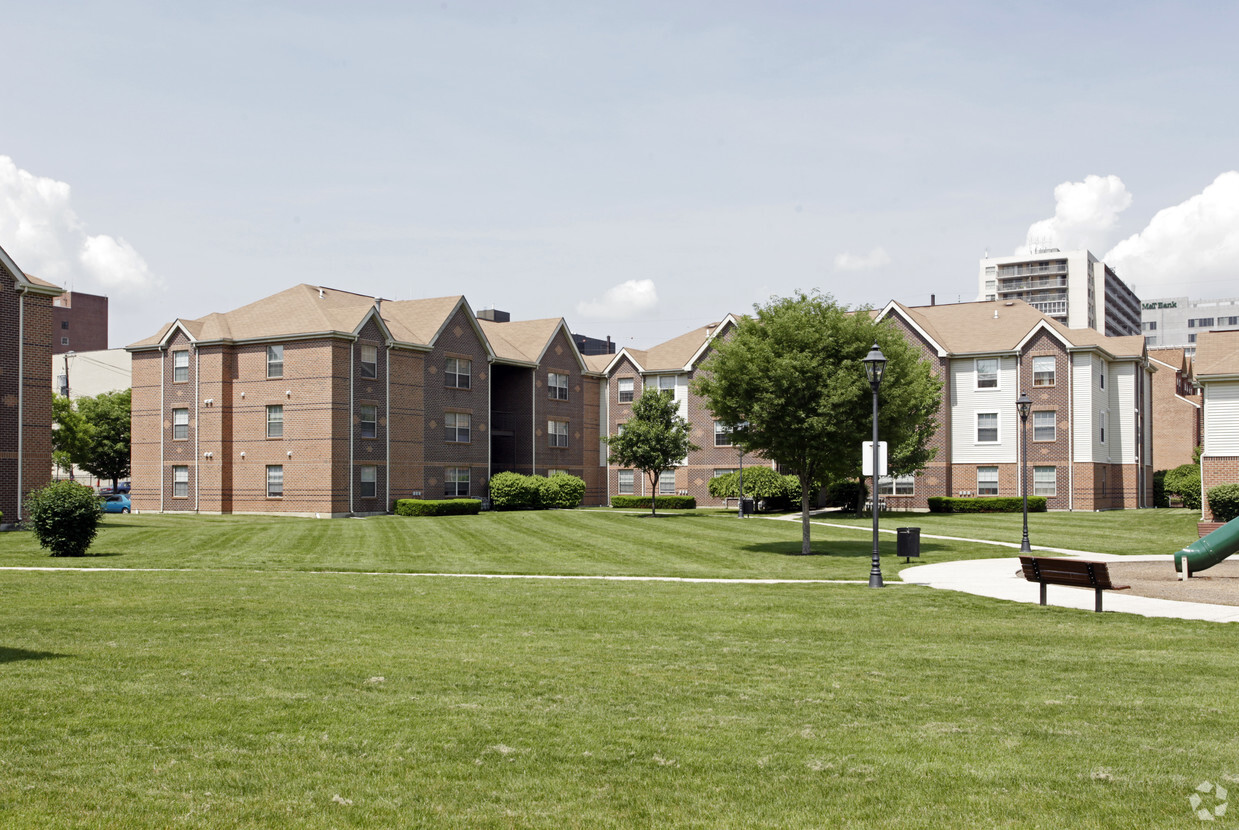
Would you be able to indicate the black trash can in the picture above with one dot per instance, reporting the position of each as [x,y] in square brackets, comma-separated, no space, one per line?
[746,506]
[908,542]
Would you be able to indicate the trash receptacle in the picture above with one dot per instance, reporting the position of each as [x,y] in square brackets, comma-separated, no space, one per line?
[908,542]
[746,507]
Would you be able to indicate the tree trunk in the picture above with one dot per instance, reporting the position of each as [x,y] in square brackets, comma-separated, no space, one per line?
[860,497]
[804,518]
[653,494]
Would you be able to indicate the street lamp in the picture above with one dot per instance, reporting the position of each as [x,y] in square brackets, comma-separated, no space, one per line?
[741,425]
[875,365]
[1023,405]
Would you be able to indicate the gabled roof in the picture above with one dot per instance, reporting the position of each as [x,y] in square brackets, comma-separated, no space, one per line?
[1217,354]
[1172,357]
[26,282]
[678,354]
[526,341]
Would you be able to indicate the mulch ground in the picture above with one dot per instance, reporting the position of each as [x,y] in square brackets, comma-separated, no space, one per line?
[1218,585]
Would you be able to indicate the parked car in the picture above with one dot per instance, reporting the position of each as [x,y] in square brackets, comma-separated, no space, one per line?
[122,487]
[116,503]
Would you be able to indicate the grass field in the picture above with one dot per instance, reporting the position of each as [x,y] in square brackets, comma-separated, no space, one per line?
[249,692]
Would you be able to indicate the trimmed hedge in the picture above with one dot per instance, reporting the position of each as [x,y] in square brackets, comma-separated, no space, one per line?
[513,491]
[1184,481]
[665,502]
[985,504]
[777,491]
[438,507]
[64,516]
[1224,502]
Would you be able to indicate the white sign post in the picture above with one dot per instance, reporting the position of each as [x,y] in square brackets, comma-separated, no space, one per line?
[867,459]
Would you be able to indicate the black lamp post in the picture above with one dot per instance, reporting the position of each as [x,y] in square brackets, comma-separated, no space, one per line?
[875,365]
[741,425]
[1023,405]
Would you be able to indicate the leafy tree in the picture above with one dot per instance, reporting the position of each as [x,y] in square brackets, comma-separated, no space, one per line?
[65,517]
[71,434]
[108,416]
[654,438]
[793,378]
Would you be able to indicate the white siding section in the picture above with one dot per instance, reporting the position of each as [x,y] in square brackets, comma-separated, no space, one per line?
[967,401]
[1084,392]
[1222,418]
[681,394]
[1121,385]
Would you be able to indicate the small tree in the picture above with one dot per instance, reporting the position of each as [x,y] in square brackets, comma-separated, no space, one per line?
[1184,481]
[64,517]
[108,416]
[71,435]
[654,439]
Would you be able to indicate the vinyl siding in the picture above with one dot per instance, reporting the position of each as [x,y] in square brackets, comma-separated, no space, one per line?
[1222,418]
[1121,384]
[967,401]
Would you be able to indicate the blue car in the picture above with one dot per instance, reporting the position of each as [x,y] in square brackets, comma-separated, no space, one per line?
[118,503]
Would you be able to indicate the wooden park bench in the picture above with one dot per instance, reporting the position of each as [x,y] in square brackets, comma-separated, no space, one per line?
[1079,573]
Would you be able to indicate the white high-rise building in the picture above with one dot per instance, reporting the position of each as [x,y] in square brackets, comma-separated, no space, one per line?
[1073,287]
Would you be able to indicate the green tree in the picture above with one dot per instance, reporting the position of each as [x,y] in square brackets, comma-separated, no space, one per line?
[653,439]
[793,378]
[71,434]
[64,517]
[108,416]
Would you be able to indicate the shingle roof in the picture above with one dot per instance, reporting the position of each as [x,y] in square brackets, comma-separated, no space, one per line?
[522,341]
[1217,353]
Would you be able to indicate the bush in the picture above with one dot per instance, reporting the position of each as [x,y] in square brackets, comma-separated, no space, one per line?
[1224,502]
[663,502]
[513,491]
[985,504]
[777,491]
[1160,499]
[847,493]
[565,491]
[438,507]
[64,516]
[1184,481]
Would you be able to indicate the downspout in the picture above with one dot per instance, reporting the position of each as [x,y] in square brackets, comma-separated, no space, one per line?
[1071,430]
[197,419]
[21,384]
[533,427]
[163,355]
[490,418]
[387,432]
[352,347]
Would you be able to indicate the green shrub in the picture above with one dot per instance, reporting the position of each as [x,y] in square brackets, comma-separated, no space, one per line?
[1224,502]
[1159,489]
[64,516]
[778,492]
[513,491]
[985,504]
[1184,481]
[565,491]
[438,507]
[662,502]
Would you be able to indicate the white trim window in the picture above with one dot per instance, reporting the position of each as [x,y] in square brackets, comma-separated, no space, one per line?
[368,418]
[718,473]
[1044,370]
[180,366]
[987,481]
[275,420]
[666,483]
[456,427]
[1045,481]
[661,383]
[1102,418]
[456,482]
[897,486]
[557,433]
[557,386]
[275,361]
[275,481]
[987,372]
[458,373]
[369,361]
[987,427]
[722,435]
[1045,425]
[627,482]
[180,424]
[180,481]
[369,481]
[625,390]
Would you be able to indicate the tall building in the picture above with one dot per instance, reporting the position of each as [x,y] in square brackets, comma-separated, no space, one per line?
[79,323]
[1178,321]
[1073,287]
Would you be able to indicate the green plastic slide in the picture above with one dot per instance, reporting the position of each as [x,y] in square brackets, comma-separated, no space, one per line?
[1208,551]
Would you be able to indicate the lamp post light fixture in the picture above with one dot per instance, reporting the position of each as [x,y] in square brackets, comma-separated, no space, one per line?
[1023,405]
[875,365]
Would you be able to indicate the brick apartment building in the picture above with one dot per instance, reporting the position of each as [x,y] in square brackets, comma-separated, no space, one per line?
[316,401]
[1178,417]
[1217,371]
[25,385]
[79,323]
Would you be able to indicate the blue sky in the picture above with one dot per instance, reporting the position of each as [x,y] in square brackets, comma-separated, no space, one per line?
[639,169]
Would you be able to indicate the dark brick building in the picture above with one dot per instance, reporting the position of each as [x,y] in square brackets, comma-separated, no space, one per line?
[79,323]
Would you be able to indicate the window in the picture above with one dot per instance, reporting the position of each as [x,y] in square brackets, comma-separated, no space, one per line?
[457,426]
[898,486]
[987,427]
[558,433]
[1150,340]
[369,361]
[275,481]
[1102,380]
[456,481]
[987,481]
[369,417]
[457,373]
[1045,481]
[64,341]
[275,361]
[722,435]
[369,475]
[1043,370]
[666,483]
[1191,338]
[1102,485]
[275,421]
[987,373]
[662,382]
[180,424]
[1150,325]
[180,366]
[555,472]
[1200,323]
[1101,421]
[625,390]
[64,325]
[180,481]
[718,473]
[625,482]
[557,386]
[1045,425]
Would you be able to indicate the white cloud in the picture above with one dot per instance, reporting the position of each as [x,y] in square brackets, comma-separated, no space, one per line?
[622,301]
[1085,215]
[855,262]
[1184,246]
[42,232]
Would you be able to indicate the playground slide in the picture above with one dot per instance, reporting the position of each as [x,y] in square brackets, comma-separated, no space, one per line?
[1208,551]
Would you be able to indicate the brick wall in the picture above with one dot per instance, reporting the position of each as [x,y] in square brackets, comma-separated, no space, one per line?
[82,319]
[459,339]
[1176,422]
[1048,398]
[1215,470]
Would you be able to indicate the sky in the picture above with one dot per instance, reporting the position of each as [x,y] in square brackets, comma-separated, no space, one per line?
[639,169]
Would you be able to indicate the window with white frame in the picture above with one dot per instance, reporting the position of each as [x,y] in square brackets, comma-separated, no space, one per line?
[897,486]
[661,382]
[987,427]
[1102,379]
[722,435]
[1043,370]
[275,421]
[626,480]
[1102,417]
[275,361]
[718,473]
[987,481]
[180,366]
[555,472]
[457,373]
[456,482]
[368,418]
[369,481]
[987,373]
[666,483]
[1045,426]
[557,386]
[456,426]
[180,481]
[1045,481]
[558,433]
[369,361]
[180,424]
[625,390]
[275,481]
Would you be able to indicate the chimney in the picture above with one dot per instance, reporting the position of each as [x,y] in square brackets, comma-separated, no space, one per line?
[494,315]
[933,300]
